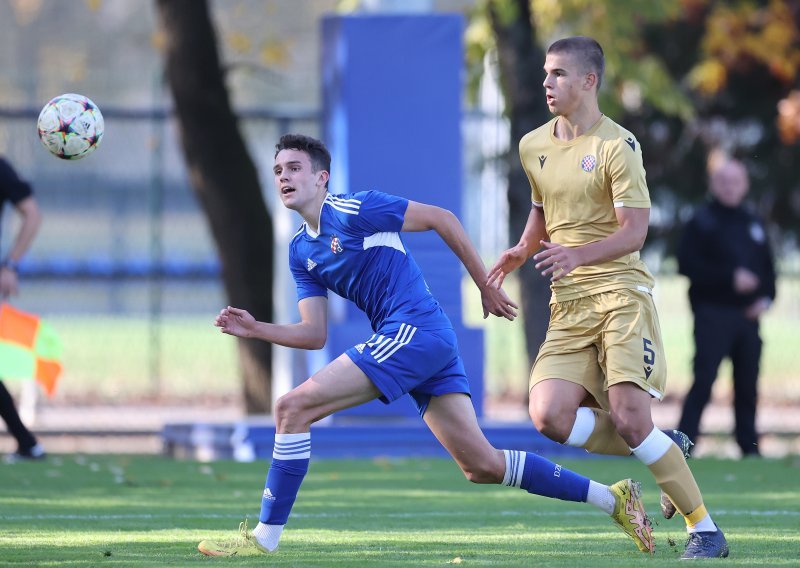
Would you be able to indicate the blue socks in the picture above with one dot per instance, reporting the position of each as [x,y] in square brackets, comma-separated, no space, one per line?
[290,459]
[540,476]
[524,470]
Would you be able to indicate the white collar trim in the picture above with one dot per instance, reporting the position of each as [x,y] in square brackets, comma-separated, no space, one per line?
[311,233]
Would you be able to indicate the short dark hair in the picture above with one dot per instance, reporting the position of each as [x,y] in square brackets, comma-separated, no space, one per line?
[587,50]
[316,150]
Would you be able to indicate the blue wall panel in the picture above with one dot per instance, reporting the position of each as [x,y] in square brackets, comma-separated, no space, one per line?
[392,120]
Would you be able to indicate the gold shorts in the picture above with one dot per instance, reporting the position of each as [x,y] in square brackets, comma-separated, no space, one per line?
[601,340]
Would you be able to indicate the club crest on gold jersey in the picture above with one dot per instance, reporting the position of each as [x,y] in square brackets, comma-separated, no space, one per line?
[588,163]
[336,245]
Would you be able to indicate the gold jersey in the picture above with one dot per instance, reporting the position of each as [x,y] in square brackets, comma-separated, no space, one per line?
[579,183]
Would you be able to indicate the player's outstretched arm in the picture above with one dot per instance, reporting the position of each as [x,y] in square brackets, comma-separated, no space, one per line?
[28,210]
[31,220]
[516,256]
[310,333]
[423,217]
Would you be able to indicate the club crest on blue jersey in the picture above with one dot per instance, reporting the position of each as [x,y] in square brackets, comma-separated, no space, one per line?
[757,233]
[336,245]
[588,163]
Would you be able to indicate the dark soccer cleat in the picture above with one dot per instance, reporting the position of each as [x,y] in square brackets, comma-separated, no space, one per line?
[681,440]
[35,452]
[706,545]
[685,444]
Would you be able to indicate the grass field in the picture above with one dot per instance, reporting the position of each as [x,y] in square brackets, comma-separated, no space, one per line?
[151,511]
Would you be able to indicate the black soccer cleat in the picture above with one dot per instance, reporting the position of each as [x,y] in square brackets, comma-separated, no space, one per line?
[35,452]
[706,545]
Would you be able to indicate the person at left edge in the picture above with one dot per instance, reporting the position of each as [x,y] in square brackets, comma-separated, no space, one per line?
[20,195]
[351,244]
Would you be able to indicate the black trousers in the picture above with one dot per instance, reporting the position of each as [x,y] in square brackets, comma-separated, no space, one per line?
[16,428]
[720,332]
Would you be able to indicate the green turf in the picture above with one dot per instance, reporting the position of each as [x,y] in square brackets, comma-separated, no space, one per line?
[151,511]
[112,358]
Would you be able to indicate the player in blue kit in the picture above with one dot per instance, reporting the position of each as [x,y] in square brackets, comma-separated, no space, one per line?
[351,244]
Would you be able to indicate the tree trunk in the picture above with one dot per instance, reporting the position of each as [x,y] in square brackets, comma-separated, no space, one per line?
[521,62]
[224,179]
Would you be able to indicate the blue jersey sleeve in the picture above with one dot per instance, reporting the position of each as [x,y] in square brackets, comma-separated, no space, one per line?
[380,212]
[306,285]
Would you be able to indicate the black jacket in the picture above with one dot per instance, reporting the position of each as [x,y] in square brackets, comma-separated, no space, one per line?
[715,242]
[12,188]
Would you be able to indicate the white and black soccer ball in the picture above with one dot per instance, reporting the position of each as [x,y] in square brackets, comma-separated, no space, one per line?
[70,126]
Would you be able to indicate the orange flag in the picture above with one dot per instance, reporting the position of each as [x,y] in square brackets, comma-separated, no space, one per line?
[29,348]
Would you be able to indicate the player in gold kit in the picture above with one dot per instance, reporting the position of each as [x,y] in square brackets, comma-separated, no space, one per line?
[602,361]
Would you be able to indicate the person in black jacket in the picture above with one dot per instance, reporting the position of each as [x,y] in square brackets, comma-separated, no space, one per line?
[725,253]
[20,195]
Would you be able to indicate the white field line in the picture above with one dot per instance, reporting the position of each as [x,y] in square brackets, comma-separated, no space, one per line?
[431,514]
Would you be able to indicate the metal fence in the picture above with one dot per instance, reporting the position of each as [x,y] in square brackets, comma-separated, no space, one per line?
[126,216]
[124,237]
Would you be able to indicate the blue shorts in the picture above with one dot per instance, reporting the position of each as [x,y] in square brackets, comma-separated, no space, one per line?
[403,359]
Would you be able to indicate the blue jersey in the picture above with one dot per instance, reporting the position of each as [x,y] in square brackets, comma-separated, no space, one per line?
[359,255]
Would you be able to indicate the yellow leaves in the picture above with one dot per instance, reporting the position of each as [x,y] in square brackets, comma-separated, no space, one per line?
[239,42]
[274,53]
[708,77]
[607,21]
[479,33]
[778,46]
[723,24]
[741,34]
[271,52]
[548,13]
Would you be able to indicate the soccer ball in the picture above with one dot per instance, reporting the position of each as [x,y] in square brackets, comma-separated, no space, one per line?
[70,126]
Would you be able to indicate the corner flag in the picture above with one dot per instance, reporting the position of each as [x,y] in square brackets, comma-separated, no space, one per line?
[29,348]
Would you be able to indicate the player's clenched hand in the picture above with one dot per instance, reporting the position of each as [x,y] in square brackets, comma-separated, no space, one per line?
[234,321]
[8,283]
[508,262]
[556,261]
[496,302]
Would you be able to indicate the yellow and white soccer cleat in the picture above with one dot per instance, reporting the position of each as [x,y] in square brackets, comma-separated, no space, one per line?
[630,516]
[243,544]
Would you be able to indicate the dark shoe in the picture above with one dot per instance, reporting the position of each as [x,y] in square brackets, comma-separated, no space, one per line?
[706,545]
[685,444]
[681,440]
[35,452]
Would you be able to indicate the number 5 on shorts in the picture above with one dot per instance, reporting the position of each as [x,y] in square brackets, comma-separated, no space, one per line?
[649,354]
